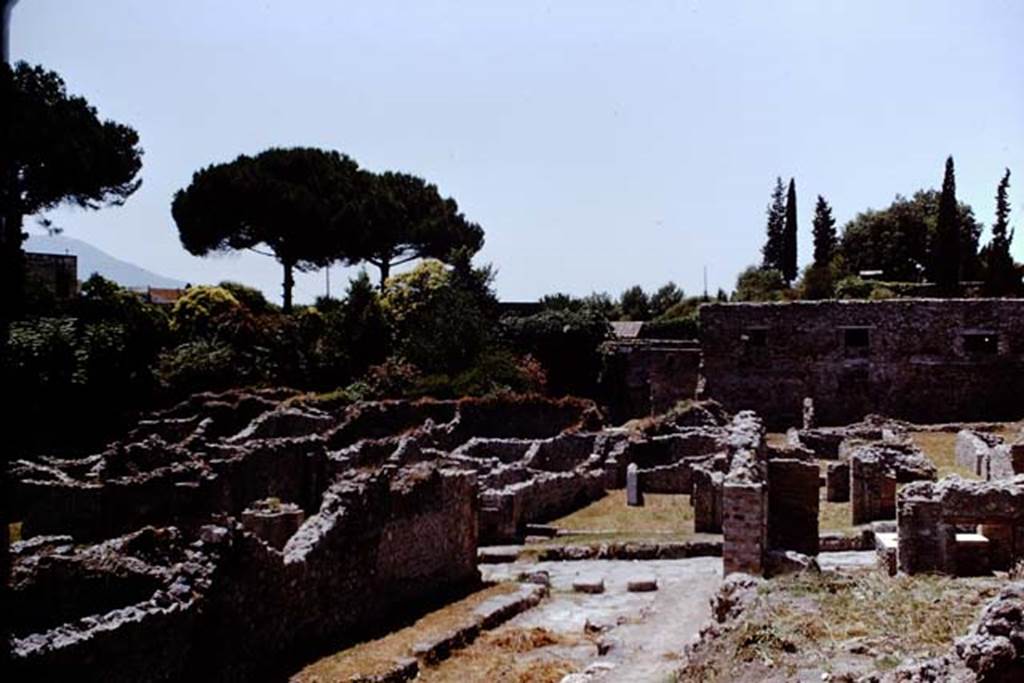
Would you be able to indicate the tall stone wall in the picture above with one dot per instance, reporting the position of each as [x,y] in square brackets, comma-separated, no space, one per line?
[925,360]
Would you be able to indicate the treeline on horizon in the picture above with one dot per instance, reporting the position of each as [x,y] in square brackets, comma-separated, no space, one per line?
[437,330]
[927,245]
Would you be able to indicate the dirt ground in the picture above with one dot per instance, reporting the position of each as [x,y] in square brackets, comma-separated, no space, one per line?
[644,633]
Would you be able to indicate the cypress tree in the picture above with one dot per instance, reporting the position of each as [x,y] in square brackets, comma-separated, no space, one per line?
[824,233]
[789,270]
[946,243]
[1001,275]
[772,249]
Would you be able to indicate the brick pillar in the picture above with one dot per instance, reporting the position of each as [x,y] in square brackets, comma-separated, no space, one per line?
[744,527]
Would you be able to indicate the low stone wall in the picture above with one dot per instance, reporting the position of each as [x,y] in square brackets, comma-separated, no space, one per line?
[379,543]
[875,470]
[988,456]
[931,514]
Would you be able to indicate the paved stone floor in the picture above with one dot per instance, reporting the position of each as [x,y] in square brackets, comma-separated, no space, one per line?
[645,631]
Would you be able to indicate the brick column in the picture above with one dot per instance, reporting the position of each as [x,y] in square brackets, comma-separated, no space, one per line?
[744,527]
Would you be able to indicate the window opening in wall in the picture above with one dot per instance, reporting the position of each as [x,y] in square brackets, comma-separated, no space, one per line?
[981,342]
[856,337]
[755,336]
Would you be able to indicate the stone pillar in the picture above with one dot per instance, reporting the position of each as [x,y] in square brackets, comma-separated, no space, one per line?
[837,482]
[925,543]
[744,527]
[707,500]
[808,413]
[793,498]
[872,490]
[1001,551]
[634,496]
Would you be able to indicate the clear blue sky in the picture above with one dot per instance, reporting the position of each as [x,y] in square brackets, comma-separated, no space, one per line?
[599,144]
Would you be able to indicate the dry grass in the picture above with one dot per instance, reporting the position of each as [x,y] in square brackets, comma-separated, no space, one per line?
[663,517]
[835,516]
[940,449]
[507,655]
[14,531]
[817,622]
[377,656]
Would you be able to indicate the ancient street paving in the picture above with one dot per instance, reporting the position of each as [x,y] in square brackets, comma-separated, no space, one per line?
[643,631]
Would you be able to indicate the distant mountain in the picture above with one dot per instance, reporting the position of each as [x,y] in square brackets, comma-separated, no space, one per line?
[92,260]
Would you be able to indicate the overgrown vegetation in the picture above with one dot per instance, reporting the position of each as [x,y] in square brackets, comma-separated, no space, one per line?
[809,624]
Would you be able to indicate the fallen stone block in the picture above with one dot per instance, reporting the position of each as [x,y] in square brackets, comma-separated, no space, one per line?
[498,554]
[779,562]
[500,609]
[442,647]
[643,584]
[588,585]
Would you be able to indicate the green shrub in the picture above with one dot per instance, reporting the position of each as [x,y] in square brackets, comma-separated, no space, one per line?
[203,311]
[853,287]
[436,325]
[687,327]
[250,297]
[201,365]
[760,284]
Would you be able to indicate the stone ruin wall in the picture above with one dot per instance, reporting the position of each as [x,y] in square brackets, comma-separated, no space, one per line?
[921,362]
[389,521]
[642,377]
[930,516]
[988,456]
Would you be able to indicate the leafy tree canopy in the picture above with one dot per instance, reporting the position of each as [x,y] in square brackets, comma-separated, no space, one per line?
[404,219]
[898,240]
[300,203]
[62,151]
[634,304]
[760,284]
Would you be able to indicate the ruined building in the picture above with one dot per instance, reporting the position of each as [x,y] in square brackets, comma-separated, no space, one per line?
[924,360]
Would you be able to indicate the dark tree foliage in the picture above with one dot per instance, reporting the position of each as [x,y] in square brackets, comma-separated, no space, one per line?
[898,240]
[56,151]
[1002,277]
[667,296]
[789,246]
[824,233]
[760,284]
[945,253]
[404,219]
[303,204]
[773,250]
[566,342]
[356,334]
[634,304]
